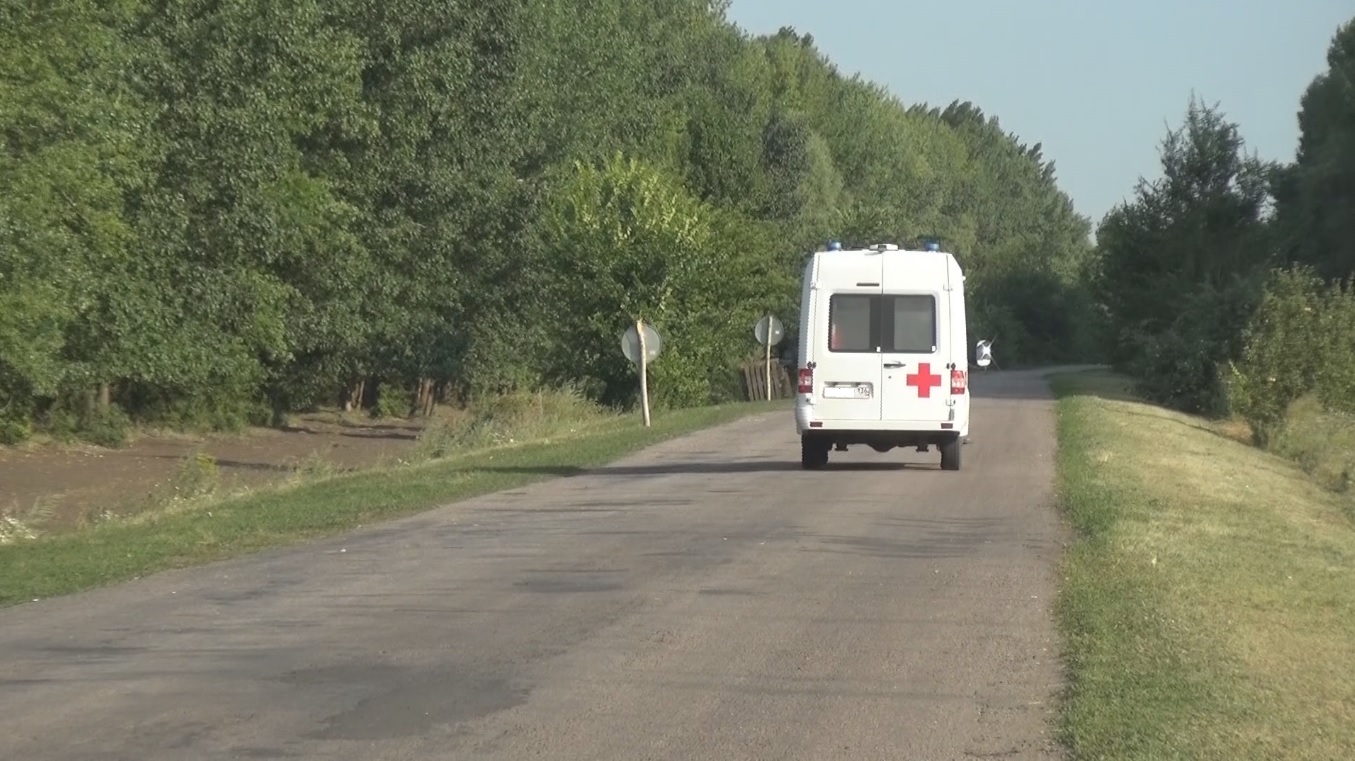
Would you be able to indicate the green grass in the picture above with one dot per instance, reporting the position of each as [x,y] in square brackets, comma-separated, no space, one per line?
[201,532]
[1208,601]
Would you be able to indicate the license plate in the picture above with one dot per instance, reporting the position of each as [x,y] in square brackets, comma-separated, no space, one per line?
[854,391]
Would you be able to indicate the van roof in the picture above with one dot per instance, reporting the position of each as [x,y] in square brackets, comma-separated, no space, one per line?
[879,248]
[869,265]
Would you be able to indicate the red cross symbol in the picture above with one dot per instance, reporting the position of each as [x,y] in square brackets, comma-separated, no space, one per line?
[924,379]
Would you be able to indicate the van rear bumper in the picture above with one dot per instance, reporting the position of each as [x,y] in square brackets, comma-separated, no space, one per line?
[868,431]
[882,441]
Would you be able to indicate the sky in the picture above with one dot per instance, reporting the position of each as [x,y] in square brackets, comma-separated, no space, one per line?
[1098,82]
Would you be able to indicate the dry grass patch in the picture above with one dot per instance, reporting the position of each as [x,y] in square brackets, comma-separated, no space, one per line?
[1209,604]
[1322,442]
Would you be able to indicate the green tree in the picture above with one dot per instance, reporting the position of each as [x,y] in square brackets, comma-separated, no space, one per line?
[631,243]
[217,212]
[75,144]
[1315,197]
[1181,266]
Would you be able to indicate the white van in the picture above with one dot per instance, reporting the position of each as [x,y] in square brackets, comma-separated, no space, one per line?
[883,353]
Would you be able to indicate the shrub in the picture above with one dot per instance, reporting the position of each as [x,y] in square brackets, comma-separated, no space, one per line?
[106,426]
[1301,339]
[392,402]
[1186,365]
[223,407]
[14,432]
[507,419]
[74,418]
[197,476]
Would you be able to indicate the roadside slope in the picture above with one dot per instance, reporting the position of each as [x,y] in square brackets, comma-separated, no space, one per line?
[1209,602]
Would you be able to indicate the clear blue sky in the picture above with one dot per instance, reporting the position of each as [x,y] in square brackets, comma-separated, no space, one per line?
[1096,81]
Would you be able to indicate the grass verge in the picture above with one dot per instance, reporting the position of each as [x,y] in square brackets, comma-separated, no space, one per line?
[1208,605]
[154,541]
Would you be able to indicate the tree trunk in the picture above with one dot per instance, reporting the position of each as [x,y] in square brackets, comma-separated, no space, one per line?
[357,393]
[423,397]
[430,399]
[278,405]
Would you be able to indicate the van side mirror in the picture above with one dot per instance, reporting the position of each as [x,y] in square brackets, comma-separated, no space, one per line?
[983,353]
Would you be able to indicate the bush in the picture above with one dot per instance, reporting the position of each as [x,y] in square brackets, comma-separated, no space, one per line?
[1186,365]
[1179,371]
[107,427]
[1320,440]
[392,402]
[14,432]
[1300,340]
[197,476]
[73,418]
[508,419]
[221,408]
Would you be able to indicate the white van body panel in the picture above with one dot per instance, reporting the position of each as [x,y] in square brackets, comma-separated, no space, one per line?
[901,340]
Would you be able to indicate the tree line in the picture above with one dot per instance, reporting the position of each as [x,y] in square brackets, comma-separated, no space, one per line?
[213,214]
[1226,283]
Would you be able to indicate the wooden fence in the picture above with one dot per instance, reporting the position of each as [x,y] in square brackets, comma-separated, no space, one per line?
[755,380]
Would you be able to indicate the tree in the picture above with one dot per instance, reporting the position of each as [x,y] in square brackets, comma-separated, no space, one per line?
[632,244]
[75,142]
[1182,265]
[1315,197]
[223,212]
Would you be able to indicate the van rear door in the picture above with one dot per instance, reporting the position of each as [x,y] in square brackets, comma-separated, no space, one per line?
[915,345]
[847,354]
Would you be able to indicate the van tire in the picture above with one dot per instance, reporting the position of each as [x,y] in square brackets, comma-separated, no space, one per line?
[950,453]
[813,453]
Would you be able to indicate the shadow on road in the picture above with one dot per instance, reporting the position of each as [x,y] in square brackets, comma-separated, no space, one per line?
[1034,389]
[703,468]
[1025,384]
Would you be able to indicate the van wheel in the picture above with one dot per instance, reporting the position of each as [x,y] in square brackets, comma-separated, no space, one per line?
[950,454]
[813,453]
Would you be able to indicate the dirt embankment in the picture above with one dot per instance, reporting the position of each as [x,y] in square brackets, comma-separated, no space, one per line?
[61,486]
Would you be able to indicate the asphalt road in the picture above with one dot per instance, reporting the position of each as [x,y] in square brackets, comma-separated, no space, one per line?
[705,599]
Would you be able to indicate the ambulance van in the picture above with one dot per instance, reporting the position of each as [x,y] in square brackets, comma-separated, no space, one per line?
[883,358]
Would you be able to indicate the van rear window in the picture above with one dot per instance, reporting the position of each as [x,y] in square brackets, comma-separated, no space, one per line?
[850,319]
[895,323]
[913,322]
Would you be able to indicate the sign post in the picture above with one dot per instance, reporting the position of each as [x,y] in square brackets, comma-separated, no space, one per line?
[769,331]
[641,344]
[644,371]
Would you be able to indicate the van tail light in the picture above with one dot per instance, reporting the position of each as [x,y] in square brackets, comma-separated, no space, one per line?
[959,382]
[806,380]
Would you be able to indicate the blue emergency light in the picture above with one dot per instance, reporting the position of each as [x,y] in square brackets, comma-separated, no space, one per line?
[834,245]
[933,246]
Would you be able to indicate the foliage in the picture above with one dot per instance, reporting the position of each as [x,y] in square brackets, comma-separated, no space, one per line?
[1301,341]
[650,251]
[218,213]
[515,418]
[1224,281]
[1179,266]
[392,402]
[1315,196]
